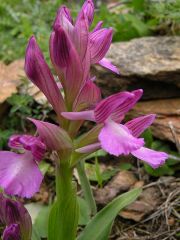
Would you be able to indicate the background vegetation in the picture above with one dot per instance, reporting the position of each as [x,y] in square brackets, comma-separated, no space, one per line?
[130,19]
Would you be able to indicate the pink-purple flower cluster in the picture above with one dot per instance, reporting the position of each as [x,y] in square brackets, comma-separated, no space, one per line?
[73,49]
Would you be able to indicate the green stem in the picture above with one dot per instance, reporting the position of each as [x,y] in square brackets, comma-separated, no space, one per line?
[86,187]
[65,211]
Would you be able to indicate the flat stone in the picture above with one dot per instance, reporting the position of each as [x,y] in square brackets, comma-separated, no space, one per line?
[121,182]
[10,78]
[151,63]
[167,112]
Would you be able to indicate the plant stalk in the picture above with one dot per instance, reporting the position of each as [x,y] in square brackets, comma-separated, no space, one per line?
[64,214]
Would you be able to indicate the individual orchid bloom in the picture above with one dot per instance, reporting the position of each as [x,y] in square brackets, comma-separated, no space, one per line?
[114,138]
[16,219]
[19,172]
[136,128]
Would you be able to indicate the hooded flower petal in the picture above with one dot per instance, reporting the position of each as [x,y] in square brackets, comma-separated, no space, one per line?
[39,73]
[138,125]
[107,106]
[116,139]
[67,61]
[88,10]
[107,64]
[19,174]
[81,42]
[100,41]
[81,35]
[63,19]
[151,157]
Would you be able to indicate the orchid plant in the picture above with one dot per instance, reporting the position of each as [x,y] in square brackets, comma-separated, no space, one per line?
[75,97]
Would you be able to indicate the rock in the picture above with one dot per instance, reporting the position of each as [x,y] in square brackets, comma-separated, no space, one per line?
[167,110]
[122,182]
[151,63]
[146,203]
[10,78]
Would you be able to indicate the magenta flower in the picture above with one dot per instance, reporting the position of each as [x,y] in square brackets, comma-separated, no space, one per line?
[114,137]
[19,172]
[16,218]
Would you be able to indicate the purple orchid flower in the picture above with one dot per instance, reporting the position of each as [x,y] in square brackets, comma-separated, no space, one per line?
[16,218]
[117,138]
[19,172]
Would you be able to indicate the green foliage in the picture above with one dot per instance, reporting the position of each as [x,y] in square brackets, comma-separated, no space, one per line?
[22,18]
[100,225]
[171,165]
[4,136]
[21,107]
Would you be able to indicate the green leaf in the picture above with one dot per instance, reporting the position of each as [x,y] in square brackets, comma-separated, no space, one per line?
[41,221]
[35,234]
[100,224]
[84,212]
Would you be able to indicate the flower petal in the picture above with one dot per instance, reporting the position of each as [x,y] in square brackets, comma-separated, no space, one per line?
[138,125]
[19,174]
[12,211]
[107,64]
[81,42]
[63,19]
[97,27]
[89,95]
[154,158]
[100,42]
[12,232]
[84,115]
[116,139]
[88,10]
[39,73]
[108,105]
[67,61]
[52,135]
[129,103]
